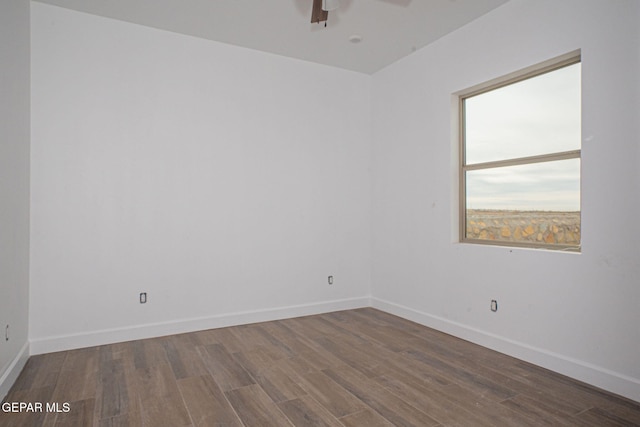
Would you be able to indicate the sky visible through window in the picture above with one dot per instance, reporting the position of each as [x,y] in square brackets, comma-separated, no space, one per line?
[536,116]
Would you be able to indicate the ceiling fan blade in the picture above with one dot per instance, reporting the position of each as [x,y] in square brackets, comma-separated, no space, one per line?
[317,13]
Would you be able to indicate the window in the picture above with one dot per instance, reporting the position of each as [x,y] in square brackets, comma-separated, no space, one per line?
[520,158]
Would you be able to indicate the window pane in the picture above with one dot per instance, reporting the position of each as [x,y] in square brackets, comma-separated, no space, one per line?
[536,116]
[534,203]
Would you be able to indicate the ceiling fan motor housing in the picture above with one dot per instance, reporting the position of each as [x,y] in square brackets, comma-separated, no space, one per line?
[330,5]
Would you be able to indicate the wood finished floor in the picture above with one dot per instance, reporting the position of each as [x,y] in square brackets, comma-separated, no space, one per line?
[350,368]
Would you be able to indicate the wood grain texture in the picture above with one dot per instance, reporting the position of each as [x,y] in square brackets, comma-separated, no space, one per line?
[81,414]
[206,402]
[305,411]
[368,418]
[349,368]
[227,372]
[331,395]
[255,408]
[159,398]
[383,401]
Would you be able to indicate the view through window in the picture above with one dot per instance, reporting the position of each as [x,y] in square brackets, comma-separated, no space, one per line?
[520,172]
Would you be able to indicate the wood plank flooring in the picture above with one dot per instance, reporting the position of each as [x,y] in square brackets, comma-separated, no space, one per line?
[350,368]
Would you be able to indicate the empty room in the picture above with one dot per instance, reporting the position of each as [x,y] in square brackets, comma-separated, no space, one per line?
[319,213]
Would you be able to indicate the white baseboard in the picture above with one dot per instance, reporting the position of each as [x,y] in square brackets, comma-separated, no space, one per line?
[614,382]
[110,336]
[10,374]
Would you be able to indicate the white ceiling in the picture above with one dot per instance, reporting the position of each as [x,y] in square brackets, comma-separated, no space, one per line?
[390,29]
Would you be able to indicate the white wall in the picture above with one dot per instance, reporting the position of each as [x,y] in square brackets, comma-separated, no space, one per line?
[14,188]
[225,182]
[229,183]
[575,313]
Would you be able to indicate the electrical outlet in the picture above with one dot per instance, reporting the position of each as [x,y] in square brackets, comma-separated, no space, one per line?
[494,305]
[6,333]
[330,280]
[143,297]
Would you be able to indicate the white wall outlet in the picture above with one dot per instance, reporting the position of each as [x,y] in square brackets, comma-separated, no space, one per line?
[143,297]
[330,280]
